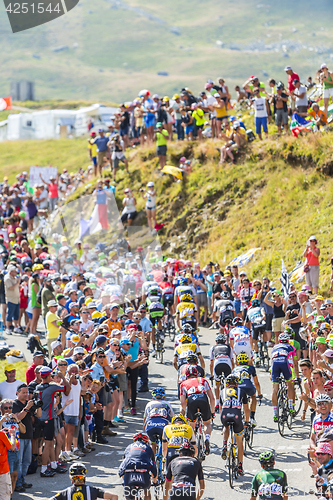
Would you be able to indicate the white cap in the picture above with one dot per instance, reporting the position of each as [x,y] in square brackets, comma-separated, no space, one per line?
[150,184]
[324,65]
[55,344]
[78,350]
[288,68]
[217,95]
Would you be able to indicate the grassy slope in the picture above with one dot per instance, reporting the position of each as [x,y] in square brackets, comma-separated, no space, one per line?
[278,194]
[131,49]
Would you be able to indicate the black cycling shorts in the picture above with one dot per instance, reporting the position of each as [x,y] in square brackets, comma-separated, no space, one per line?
[225,318]
[171,454]
[154,321]
[168,300]
[183,493]
[195,403]
[256,330]
[221,368]
[133,479]
[189,321]
[232,416]
[48,430]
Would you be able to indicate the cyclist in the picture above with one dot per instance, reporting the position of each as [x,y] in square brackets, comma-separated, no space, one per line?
[183,349]
[221,362]
[181,475]
[186,311]
[138,464]
[157,415]
[191,359]
[156,313]
[284,358]
[323,419]
[231,399]
[187,329]
[226,311]
[147,285]
[168,293]
[241,340]
[174,435]
[270,483]
[256,316]
[196,395]
[79,490]
[248,381]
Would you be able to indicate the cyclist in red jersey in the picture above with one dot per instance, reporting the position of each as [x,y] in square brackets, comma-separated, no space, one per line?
[196,395]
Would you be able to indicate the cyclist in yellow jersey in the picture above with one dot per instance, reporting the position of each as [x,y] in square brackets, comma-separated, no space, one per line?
[186,311]
[183,349]
[174,435]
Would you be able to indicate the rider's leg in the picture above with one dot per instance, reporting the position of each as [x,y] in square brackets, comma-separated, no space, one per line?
[217,392]
[291,394]
[274,397]
[253,404]
[207,428]
[240,448]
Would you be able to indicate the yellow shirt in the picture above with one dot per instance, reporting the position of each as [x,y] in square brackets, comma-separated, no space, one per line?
[182,350]
[186,310]
[220,112]
[199,116]
[52,331]
[92,147]
[177,434]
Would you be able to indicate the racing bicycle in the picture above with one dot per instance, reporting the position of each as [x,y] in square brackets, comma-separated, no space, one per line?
[200,437]
[160,465]
[263,354]
[159,345]
[169,324]
[284,415]
[232,457]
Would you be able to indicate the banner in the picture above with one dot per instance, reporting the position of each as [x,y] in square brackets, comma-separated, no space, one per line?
[35,174]
[285,285]
[245,258]
[5,103]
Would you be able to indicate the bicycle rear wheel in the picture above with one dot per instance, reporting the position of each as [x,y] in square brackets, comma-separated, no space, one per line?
[172,328]
[265,359]
[250,436]
[298,401]
[281,412]
[231,465]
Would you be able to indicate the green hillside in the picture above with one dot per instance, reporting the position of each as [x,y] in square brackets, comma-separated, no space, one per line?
[277,195]
[112,49]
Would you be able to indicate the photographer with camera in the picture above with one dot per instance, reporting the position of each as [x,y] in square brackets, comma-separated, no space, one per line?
[47,393]
[24,409]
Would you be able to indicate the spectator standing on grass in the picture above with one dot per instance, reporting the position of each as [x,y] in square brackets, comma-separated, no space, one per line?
[291,87]
[101,142]
[300,97]
[326,78]
[260,113]
[53,192]
[161,136]
[150,196]
[311,254]
[280,103]
[129,211]
[12,288]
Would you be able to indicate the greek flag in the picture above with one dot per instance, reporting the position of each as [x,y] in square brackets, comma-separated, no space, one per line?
[285,286]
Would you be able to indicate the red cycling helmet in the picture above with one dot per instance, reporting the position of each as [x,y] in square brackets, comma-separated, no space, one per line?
[187,447]
[328,384]
[141,436]
[191,371]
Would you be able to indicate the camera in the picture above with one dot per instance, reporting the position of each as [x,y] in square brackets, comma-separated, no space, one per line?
[38,403]
[77,376]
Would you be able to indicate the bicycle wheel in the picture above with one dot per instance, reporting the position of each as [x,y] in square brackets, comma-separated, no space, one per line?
[265,359]
[158,492]
[231,464]
[172,328]
[200,443]
[246,443]
[281,412]
[298,401]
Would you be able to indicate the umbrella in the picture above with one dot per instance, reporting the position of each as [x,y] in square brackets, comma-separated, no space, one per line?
[144,92]
[175,171]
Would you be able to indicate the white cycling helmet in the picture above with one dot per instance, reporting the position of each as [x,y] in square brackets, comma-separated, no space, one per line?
[323,398]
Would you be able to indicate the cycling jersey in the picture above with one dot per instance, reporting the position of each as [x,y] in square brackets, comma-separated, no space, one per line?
[161,409]
[182,289]
[231,400]
[282,361]
[154,298]
[221,353]
[246,374]
[79,492]
[183,472]
[138,457]
[182,370]
[240,332]
[177,434]
[227,312]
[194,385]
[156,310]
[270,484]
[192,335]
[318,424]
[186,311]
[147,285]
[255,316]
[182,350]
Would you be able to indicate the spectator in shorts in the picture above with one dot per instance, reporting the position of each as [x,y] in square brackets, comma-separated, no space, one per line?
[311,254]
[280,103]
[129,211]
[124,124]
[92,149]
[300,97]
[72,412]
[53,192]
[161,136]
[266,289]
[201,289]
[326,78]
[260,113]
[150,196]
[117,154]
[12,292]
[275,300]
[102,151]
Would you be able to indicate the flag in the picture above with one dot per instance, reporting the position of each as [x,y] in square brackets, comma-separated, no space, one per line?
[245,258]
[5,103]
[297,274]
[99,217]
[175,171]
[299,124]
[285,286]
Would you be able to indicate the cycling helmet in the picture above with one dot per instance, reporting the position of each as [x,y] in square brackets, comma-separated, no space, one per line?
[159,391]
[323,398]
[255,303]
[328,384]
[266,457]
[191,357]
[37,267]
[242,358]
[284,338]
[141,436]
[187,448]
[237,321]
[186,297]
[231,380]
[221,338]
[77,470]
[142,307]
[186,339]
[183,281]
[187,328]
[154,292]
[191,371]
[178,417]
[289,331]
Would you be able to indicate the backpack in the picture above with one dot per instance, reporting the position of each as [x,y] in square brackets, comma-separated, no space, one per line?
[250,135]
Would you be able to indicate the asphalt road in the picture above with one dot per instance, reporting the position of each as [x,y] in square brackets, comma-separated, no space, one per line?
[103,463]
